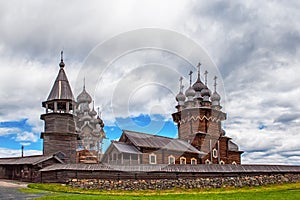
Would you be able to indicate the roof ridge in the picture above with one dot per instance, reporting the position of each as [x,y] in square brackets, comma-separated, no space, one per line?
[148,134]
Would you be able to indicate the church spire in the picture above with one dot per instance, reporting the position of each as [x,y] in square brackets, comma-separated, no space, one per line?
[61,64]
[61,88]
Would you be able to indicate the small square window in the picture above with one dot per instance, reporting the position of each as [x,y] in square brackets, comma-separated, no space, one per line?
[152,159]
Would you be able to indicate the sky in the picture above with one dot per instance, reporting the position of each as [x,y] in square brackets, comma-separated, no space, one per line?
[132,53]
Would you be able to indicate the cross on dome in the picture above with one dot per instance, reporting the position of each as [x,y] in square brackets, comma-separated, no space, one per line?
[205,74]
[180,84]
[190,77]
[215,84]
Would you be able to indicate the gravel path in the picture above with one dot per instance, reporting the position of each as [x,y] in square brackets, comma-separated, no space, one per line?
[9,190]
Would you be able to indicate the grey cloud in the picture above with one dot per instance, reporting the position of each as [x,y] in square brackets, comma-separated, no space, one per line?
[255,46]
[287,118]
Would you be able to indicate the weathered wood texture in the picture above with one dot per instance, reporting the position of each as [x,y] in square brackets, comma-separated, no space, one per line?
[59,135]
[146,172]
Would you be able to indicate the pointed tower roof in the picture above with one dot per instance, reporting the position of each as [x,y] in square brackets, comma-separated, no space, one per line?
[61,88]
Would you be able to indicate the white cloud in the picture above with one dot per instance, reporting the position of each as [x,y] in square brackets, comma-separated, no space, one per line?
[5,153]
[27,136]
[8,131]
[254,45]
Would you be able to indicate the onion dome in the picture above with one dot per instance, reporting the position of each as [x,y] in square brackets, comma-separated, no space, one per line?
[180,97]
[84,97]
[215,97]
[190,92]
[205,92]
[93,113]
[198,85]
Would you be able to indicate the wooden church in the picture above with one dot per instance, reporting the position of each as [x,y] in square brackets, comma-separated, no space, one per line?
[73,133]
[201,139]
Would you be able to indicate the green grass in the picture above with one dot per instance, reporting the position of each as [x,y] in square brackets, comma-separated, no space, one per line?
[57,191]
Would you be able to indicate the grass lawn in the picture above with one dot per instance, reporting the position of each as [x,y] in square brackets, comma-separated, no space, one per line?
[56,191]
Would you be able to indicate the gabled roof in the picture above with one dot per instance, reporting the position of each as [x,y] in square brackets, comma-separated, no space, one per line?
[125,148]
[61,88]
[154,141]
[30,160]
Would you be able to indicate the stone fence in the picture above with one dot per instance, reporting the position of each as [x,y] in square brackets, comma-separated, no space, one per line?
[163,184]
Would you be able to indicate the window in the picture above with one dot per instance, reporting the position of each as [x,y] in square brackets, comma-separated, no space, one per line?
[171,160]
[234,163]
[134,157]
[152,158]
[222,162]
[215,153]
[182,160]
[207,162]
[193,161]
[126,156]
[114,156]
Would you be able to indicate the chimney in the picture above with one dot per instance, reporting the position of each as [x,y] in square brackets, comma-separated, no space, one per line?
[22,148]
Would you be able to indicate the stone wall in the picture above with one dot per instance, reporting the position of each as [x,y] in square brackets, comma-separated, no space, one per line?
[213,182]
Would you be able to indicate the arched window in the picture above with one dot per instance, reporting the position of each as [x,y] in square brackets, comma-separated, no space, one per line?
[152,158]
[182,160]
[207,162]
[222,162]
[193,161]
[171,160]
[234,163]
[215,153]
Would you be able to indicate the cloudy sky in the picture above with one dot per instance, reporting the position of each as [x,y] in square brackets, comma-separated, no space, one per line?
[132,54]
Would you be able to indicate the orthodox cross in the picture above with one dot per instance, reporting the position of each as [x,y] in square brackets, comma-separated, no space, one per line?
[215,84]
[198,66]
[190,77]
[84,83]
[180,85]
[205,74]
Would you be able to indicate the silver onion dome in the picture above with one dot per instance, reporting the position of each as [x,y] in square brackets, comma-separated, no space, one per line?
[215,97]
[205,92]
[180,97]
[84,97]
[190,92]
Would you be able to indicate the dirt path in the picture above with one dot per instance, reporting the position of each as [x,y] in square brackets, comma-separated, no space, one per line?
[10,190]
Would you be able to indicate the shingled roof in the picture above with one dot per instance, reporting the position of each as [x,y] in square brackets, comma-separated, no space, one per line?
[28,160]
[159,142]
[125,148]
[61,88]
[204,169]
